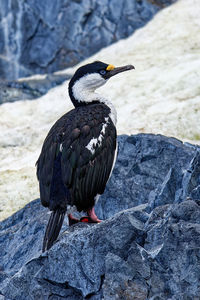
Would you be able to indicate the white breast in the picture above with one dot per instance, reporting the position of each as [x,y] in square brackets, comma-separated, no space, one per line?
[84,91]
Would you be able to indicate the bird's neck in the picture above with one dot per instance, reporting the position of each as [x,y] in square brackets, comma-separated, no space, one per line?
[85,96]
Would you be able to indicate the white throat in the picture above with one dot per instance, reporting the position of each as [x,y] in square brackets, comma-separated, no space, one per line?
[84,90]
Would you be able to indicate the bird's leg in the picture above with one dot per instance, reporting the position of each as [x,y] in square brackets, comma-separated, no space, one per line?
[90,218]
[72,220]
[93,217]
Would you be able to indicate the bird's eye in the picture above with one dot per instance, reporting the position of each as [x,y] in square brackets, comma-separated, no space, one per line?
[102,72]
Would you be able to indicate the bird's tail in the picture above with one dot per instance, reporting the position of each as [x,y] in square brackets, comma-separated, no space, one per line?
[53,228]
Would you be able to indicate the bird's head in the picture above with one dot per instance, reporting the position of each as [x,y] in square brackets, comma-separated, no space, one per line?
[90,77]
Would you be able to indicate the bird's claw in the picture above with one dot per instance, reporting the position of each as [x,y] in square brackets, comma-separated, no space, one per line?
[88,219]
[91,218]
[72,220]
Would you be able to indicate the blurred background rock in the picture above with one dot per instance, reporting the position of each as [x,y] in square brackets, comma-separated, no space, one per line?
[46,36]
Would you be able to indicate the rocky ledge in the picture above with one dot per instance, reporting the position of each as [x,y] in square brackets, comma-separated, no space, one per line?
[147,247]
[29,88]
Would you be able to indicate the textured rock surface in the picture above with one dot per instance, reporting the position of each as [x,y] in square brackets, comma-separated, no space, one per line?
[161,95]
[149,249]
[29,88]
[154,169]
[44,36]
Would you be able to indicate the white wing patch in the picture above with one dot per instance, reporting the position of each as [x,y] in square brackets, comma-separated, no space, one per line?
[97,141]
[114,161]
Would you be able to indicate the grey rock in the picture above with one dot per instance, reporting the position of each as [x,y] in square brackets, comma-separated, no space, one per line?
[28,89]
[45,36]
[152,168]
[175,252]
[147,247]
[79,263]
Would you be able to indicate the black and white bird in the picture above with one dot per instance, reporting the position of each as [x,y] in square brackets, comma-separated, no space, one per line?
[79,151]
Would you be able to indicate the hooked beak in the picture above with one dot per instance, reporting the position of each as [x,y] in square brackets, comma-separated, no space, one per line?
[118,70]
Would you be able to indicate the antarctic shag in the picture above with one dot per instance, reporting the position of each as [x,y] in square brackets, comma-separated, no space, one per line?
[79,151]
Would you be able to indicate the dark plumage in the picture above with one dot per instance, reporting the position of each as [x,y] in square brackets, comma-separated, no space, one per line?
[78,153]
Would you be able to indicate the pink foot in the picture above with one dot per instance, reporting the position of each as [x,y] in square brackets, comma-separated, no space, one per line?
[72,220]
[92,216]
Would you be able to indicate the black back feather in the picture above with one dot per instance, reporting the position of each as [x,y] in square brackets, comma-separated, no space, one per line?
[53,228]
